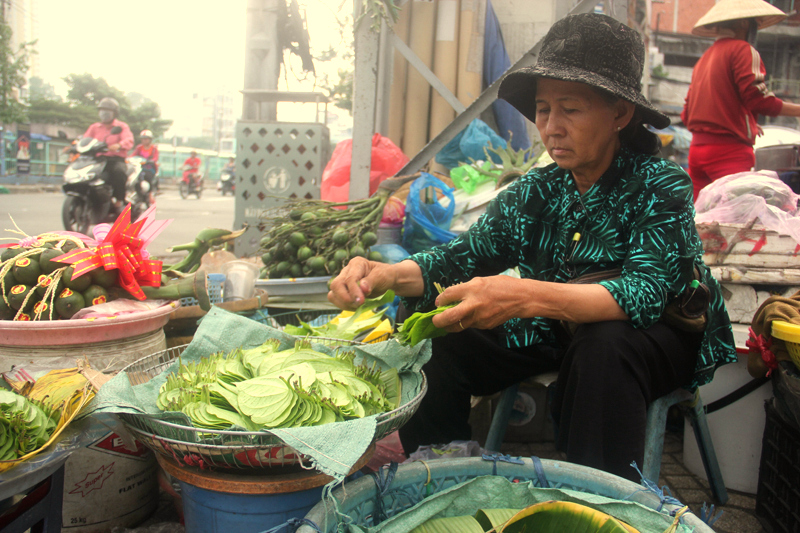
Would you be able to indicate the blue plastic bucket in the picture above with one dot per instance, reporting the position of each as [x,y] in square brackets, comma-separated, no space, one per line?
[415,481]
[209,511]
[240,501]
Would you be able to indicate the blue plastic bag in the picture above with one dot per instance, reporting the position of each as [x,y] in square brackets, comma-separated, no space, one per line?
[469,143]
[428,222]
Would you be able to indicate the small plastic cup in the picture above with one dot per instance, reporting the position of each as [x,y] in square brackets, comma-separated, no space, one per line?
[240,280]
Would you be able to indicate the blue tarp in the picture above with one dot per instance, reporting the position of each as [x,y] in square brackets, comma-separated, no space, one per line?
[495,64]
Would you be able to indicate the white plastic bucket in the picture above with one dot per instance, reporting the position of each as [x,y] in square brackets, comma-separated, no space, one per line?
[736,430]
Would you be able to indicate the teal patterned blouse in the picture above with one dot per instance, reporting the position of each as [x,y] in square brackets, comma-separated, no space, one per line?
[638,216]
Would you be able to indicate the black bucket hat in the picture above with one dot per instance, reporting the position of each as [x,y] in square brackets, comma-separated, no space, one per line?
[589,48]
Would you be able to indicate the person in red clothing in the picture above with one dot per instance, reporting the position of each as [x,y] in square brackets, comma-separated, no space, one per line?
[727,92]
[149,152]
[146,148]
[116,171]
[192,167]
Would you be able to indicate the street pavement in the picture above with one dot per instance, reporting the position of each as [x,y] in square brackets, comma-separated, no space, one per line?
[37,209]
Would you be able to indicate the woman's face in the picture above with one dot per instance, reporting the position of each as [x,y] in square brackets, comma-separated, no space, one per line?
[579,127]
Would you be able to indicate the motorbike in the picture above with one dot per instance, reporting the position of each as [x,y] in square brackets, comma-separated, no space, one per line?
[139,191]
[226,182]
[191,183]
[88,196]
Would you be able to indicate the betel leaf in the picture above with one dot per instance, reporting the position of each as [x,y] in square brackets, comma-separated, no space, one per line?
[253,357]
[224,395]
[419,327]
[265,400]
[392,388]
[8,441]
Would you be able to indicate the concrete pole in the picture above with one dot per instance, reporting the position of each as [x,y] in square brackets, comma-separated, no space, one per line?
[262,57]
[365,82]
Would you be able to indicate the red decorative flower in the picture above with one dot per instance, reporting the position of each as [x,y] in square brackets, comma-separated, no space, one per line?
[122,248]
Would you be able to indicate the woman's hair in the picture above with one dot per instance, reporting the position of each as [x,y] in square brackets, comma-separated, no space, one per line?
[635,136]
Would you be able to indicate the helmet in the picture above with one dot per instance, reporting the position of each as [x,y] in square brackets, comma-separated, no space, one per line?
[146,133]
[110,104]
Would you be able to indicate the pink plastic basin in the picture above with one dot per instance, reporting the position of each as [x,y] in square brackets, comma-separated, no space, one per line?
[83,331]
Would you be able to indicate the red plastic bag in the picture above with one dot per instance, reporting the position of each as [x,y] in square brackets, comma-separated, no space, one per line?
[386,160]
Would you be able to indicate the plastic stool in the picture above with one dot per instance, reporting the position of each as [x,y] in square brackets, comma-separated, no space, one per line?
[40,509]
[654,434]
[692,405]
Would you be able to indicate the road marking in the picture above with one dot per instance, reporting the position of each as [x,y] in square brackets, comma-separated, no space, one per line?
[192,197]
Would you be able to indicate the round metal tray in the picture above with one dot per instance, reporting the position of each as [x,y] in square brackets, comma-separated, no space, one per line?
[230,449]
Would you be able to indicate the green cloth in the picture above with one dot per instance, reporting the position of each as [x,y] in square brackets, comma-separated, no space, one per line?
[333,448]
[497,492]
[638,216]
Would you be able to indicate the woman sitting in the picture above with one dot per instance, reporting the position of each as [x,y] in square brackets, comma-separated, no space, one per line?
[607,203]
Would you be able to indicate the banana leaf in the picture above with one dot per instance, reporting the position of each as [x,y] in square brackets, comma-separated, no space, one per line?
[494,518]
[451,524]
[558,516]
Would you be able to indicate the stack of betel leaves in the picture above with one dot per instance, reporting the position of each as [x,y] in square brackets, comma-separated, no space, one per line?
[419,326]
[317,238]
[30,421]
[25,425]
[264,387]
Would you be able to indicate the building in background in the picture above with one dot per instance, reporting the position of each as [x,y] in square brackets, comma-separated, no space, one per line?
[220,112]
[22,17]
[674,52]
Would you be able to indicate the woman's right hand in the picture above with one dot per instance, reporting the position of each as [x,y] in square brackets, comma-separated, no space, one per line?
[359,280]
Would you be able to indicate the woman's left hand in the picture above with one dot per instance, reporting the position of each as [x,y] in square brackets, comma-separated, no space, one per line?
[483,303]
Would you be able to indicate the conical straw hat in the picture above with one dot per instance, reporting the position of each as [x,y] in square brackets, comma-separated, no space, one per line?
[724,10]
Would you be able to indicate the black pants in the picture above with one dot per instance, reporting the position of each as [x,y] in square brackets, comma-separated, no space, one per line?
[608,374]
[116,175]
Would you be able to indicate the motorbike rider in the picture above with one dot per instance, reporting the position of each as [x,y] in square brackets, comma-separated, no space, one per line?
[192,169]
[116,171]
[149,152]
[230,166]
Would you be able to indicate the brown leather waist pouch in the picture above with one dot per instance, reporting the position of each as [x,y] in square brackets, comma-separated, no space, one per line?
[687,311]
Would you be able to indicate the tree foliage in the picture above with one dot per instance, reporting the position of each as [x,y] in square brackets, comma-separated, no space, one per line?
[13,67]
[80,109]
[85,89]
[48,111]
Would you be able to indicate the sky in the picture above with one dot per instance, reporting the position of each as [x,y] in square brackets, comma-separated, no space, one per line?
[167,50]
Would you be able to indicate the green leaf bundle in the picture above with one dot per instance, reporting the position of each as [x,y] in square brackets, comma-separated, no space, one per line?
[25,426]
[264,388]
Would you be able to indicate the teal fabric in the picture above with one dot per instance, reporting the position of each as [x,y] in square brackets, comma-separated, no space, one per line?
[495,492]
[333,448]
[639,216]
